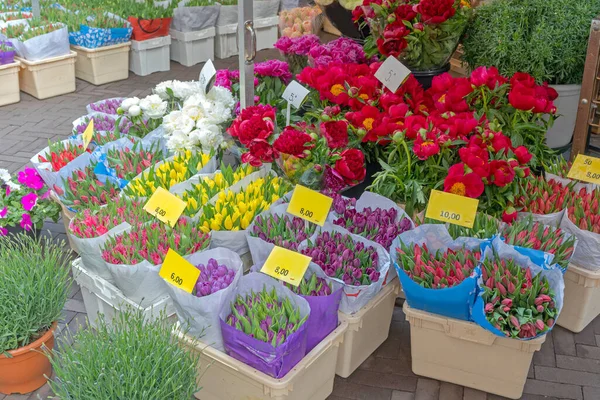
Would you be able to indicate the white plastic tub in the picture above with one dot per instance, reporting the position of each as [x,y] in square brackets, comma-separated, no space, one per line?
[266,32]
[48,78]
[149,56]
[99,296]
[582,298]
[9,83]
[463,353]
[225,378]
[367,329]
[226,41]
[103,64]
[191,48]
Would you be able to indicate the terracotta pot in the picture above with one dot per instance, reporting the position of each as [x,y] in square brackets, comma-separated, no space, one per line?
[28,368]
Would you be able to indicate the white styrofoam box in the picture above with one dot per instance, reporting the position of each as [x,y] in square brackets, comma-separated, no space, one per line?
[149,56]
[368,328]
[48,78]
[9,83]
[464,353]
[266,32]
[103,64]
[191,48]
[226,41]
[582,298]
[101,297]
[224,378]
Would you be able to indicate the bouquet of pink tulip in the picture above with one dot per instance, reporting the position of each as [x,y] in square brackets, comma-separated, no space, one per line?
[129,163]
[517,304]
[439,270]
[83,189]
[341,257]
[541,196]
[152,241]
[95,222]
[213,277]
[584,212]
[535,235]
[283,231]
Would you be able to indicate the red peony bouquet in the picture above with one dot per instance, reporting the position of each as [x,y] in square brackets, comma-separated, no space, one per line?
[423,34]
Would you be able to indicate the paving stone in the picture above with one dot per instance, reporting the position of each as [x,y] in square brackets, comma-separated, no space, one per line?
[567,376]
[396,395]
[388,366]
[75,305]
[473,394]
[546,354]
[427,389]
[561,390]
[450,391]
[578,363]
[591,393]
[588,351]
[383,380]
[564,341]
[353,391]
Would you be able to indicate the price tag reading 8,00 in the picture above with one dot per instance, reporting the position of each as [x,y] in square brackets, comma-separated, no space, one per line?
[310,205]
[452,208]
[165,206]
[286,265]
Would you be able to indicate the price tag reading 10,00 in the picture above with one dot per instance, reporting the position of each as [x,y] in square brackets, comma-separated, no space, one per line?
[165,206]
[286,265]
[452,208]
[179,272]
[585,168]
[310,205]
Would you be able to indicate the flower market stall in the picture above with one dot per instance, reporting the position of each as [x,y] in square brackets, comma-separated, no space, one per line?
[262,221]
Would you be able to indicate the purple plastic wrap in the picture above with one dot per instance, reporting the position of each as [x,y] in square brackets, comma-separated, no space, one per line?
[273,361]
[323,318]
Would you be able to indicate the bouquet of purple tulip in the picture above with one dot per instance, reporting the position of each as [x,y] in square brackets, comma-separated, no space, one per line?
[341,204]
[343,258]
[264,317]
[283,231]
[213,277]
[108,106]
[378,225]
[314,286]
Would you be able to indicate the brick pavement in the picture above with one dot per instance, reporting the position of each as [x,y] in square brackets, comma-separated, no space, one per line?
[567,367]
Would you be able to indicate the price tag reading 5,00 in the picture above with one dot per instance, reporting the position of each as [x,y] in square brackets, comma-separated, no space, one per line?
[452,208]
[310,205]
[286,265]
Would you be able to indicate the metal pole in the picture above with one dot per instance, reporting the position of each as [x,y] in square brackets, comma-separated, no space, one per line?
[247,51]
[35,8]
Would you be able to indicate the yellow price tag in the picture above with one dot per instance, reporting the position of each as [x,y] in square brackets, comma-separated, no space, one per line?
[310,205]
[179,272]
[88,134]
[165,206]
[585,168]
[452,208]
[286,265]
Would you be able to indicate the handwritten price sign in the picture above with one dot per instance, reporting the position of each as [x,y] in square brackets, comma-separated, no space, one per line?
[448,207]
[88,134]
[165,206]
[392,73]
[179,272]
[586,169]
[286,265]
[310,205]
[208,75]
[295,94]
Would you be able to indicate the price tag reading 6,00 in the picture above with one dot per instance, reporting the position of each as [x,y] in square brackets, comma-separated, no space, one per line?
[179,272]
[452,208]
[286,265]
[310,205]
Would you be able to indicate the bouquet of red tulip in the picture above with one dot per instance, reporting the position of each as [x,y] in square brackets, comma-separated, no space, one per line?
[83,189]
[516,303]
[423,34]
[437,270]
[584,212]
[130,162]
[535,235]
[582,219]
[61,153]
[541,196]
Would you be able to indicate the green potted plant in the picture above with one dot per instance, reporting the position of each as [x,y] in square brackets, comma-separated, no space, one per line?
[547,39]
[34,288]
[131,358]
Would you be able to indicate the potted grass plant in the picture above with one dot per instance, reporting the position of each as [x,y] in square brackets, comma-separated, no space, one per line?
[143,361]
[546,39]
[34,288]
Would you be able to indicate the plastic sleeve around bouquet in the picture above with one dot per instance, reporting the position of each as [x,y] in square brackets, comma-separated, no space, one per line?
[453,302]
[234,240]
[51,177]
[53,44]
[92,38]
[90,110]
[501,250]
[273,361]
[553,219]
[265,8]
[298,172]
[228,15]
[201,314]
[356,297]
[190,19]
[587,252]
[300,21]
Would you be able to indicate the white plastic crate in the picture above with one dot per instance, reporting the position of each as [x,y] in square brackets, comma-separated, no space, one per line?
[9,83]
[367,329]
[191,48]
[48,78]
[149,56]
[266,32]
[582,298]
[226,41]
[224,378]
[464,353]
[100,296]
[103,64]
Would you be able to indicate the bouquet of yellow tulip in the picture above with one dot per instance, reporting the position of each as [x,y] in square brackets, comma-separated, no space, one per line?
[168,174]
[208,187]
[234,210]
